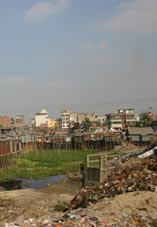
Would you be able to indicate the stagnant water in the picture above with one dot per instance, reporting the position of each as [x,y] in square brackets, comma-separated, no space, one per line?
[30,183]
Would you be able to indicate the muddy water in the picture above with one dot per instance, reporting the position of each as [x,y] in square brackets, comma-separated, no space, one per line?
[30,183]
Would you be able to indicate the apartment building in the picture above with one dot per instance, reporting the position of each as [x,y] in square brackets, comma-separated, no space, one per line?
[65,119]
[41,118]
[92,117]
[114,121]
[51,123]
[71,118]
[129,118]
[101,119]
[6,122]
[81,118]
[121,119]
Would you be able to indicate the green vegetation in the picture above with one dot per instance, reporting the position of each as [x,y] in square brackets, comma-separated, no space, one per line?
[60,207]
[40,164]
[87,124]
[146,119]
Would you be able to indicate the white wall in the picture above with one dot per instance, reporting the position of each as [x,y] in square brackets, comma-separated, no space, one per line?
[41,118]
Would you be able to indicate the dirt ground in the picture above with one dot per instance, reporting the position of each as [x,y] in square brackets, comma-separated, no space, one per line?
[18,206]
[26,208]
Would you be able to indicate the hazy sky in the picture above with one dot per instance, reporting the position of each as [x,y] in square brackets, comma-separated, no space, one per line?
[85,55]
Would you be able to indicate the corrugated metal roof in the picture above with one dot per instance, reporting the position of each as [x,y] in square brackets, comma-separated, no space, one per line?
[141,131]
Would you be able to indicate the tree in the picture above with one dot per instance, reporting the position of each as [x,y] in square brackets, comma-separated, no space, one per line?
[98,123]
[76,125]
[139,124]
[87,124]
[146,119]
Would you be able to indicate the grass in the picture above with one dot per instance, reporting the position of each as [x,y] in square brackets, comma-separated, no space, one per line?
[40,164]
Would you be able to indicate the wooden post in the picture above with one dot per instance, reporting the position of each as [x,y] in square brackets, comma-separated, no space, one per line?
[87,160]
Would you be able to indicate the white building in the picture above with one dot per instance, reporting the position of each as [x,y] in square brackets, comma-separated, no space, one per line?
[65,119]
[41,118]
[70,118]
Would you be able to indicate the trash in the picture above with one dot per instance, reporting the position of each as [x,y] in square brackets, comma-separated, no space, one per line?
[79,199]
[72,216]
[149,152]
[45,222]
[146,154]
[105,222]
[58,224]
[131,175]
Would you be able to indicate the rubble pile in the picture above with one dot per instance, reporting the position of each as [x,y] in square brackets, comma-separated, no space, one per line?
[127,198]
[133,175]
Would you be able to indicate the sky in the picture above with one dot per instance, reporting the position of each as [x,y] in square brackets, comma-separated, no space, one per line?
[82,55]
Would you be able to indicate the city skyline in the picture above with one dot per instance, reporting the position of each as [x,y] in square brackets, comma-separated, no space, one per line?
[86,55]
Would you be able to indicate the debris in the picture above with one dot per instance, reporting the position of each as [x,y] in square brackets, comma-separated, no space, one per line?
[79,199]
[133,175]
[72,216]
[98,204]
[148,153]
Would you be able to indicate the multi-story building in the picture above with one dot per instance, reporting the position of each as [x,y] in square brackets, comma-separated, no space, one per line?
[129,118]
[41,118]
[65,119]
[6,122]
[51,123]
[92,117]
[73,119]
[114,121]
[19,121]
[101,119]
[81,118]
[70,119]
[121,119]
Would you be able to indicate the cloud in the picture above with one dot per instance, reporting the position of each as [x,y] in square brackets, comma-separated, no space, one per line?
[44,8]
[138,16]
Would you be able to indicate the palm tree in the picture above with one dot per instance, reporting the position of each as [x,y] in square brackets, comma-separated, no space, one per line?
[87,124]
[146,119]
